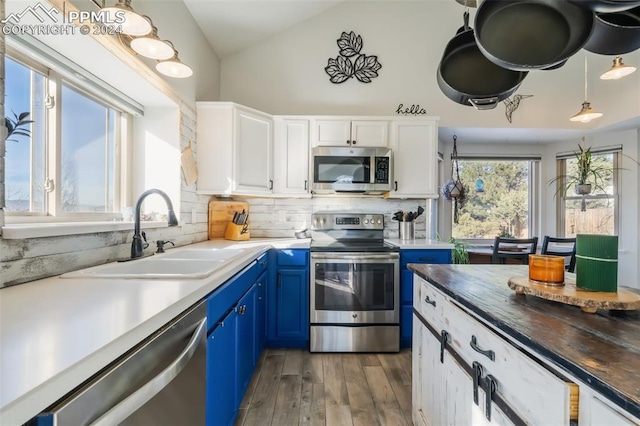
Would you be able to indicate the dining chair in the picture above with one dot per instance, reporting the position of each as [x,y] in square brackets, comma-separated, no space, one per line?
[561,247]
[517,249]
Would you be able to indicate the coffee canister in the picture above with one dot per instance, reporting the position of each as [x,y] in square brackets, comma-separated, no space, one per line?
[597,262]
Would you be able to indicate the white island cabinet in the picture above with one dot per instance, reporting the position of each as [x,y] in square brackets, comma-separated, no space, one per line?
[235,150]
[483,355]
[415,158]
[460,351]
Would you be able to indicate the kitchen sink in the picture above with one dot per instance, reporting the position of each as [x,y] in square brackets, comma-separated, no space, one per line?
[160,267]
[202,254]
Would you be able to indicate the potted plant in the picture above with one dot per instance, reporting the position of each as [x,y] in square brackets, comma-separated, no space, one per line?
[18,126]
[459,254]
[586,177]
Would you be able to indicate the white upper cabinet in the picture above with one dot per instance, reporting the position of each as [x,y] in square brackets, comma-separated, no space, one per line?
[363,133]
[235,149]
[291,158]
[415,152]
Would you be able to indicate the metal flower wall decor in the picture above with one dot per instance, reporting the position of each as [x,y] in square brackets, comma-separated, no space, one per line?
[350,62]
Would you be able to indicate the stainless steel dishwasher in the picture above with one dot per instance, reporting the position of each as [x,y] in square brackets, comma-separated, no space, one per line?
[159,382]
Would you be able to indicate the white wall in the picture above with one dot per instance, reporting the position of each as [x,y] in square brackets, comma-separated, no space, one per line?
[156,157]
[175,23]
[285,74]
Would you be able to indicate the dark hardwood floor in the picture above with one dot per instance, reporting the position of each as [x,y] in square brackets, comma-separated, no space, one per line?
[295,387]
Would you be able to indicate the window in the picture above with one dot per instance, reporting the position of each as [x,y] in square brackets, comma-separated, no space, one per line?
[69,166]
[600,206]
[500,198]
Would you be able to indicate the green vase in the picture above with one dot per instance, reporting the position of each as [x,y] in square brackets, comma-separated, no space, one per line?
[597,262]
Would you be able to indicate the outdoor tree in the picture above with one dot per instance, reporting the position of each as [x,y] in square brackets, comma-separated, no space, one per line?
[502,208]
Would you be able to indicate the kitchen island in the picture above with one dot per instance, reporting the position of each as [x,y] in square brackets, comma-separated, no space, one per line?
[588,365]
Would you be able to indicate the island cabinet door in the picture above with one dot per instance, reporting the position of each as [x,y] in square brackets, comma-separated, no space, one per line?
[430,406]
[539,395]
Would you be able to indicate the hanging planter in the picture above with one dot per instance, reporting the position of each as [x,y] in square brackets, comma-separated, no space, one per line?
[583,189]
[454,189]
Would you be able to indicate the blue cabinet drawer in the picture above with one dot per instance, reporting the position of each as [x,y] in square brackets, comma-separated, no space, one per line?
[292,257]
[424,256]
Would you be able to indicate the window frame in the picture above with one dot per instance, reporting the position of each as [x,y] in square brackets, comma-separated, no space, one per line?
[53,144]
[561,169]
[534,193]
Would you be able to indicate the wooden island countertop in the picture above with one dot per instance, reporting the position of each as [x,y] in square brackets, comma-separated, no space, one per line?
[602,350]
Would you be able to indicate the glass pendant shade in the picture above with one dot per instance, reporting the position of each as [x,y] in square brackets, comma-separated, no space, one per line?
[618,70]
[152,47]
[174,68]
[586,114]
[133,25]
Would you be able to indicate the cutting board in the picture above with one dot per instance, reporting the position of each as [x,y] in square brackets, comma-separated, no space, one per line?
[221,213]
[589,301]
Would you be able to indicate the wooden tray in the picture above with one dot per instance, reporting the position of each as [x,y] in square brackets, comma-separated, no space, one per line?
[589,301]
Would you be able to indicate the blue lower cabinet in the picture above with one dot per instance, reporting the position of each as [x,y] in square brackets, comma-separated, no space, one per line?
[292,304]
[288,300]
[430,256]
[236,315]
[261,316]
[221,372]
[245,340]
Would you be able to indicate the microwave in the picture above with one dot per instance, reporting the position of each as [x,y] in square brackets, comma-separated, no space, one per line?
[351,170]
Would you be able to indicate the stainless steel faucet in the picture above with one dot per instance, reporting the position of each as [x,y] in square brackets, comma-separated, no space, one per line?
[137,246]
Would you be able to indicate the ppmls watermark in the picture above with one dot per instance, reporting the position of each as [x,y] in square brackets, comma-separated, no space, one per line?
[51,23]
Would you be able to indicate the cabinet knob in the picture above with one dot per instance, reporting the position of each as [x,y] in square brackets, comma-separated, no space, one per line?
[395,185]
[306,185]
[354,316]
[353,142]
[348,141]
[270,184]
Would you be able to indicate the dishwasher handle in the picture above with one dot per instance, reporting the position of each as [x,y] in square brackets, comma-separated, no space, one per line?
[150,389]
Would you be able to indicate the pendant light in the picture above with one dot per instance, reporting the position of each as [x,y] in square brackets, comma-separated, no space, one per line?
[618,70]
[150,46]
[174,67]
[586,114]
[134,24]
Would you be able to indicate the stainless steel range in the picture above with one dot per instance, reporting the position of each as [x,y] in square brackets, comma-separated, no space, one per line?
[354,297]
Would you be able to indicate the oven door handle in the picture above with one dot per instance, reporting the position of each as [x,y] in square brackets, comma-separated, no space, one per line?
[352,256]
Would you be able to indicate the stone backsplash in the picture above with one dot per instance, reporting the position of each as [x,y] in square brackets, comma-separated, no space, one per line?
[281,217]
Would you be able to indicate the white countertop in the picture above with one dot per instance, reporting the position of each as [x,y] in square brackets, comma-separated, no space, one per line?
[55,333]
[420,243]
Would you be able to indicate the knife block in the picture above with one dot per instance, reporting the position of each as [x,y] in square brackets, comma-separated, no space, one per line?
[234,232]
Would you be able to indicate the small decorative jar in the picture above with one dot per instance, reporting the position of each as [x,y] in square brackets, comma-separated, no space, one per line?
[546,269]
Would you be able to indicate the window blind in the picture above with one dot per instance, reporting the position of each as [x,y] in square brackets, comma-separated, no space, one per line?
[74,73]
